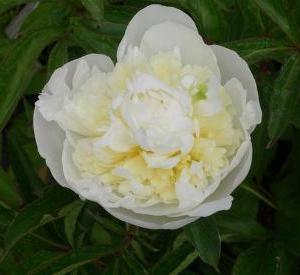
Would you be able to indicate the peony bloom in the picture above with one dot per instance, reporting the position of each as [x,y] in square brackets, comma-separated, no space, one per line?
[161,138]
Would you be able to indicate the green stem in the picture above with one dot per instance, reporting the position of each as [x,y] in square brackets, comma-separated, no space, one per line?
[260,196]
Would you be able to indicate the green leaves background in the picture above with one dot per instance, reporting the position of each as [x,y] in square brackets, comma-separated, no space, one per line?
[46,229]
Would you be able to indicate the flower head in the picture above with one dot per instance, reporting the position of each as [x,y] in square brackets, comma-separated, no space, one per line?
[161,138]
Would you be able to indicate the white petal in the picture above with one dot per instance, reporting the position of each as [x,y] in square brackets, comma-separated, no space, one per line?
[150,222]
[88,186]
[236,171]
[147,17]
[81,74]
[232,65]
[169,35]
[160,161]
[247,112]
[213,104]
[118,137]
[237,94]
[210,207]
[233,179]
[100,61]
[49,139]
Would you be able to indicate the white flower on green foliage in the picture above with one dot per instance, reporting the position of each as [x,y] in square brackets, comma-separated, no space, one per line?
[161,138]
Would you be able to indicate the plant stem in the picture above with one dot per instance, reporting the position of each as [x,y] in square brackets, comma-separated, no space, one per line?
[260,196]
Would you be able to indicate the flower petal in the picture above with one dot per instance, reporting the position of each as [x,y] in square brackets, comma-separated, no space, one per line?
[232,65]
[49,139]
[210,207]
[169,35]
[228,184]
[147,17]
[150,222]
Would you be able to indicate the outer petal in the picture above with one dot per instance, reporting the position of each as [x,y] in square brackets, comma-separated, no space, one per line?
[150,222]
[49,139]
[61,82]
[147,17]
[234,178]
[232,65]
[221,199]
[102,62]
[49,136]
[168,35]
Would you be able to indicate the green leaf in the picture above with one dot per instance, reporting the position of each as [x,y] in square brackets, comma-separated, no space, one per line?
[204,235]
[15,71]
[284,98]
[9,194]
[37,82]
[253,23]
[8,4]
[134,265]
[257,49]
[278,13]
[36,214]
[95,8]
[99,235]
[77,258]
[236,229]
[71,220]
[287,192]
[94,42]
[119,14]
[48,14]
[109,224]
[28,181]
[287,233]
[32,265]
[264,259]
[57,57]
[209,16]
[175,261]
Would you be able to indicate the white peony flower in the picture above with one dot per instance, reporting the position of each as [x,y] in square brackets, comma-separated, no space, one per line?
[161,138]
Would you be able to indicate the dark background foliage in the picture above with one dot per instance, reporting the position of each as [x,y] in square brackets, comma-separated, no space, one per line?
[46,229]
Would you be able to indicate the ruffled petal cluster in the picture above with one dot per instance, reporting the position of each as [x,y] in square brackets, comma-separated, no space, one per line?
[162,137]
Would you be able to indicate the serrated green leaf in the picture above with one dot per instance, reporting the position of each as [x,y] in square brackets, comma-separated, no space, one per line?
[16,69]
[284,98]
[277,11]
[32,216]
[204,235]
[57,57]
[95,8]
[71,219]
[77,258]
